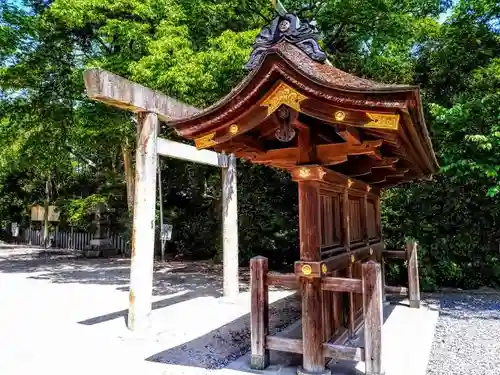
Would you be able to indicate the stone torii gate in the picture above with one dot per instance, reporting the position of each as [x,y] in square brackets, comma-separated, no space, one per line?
[152,107]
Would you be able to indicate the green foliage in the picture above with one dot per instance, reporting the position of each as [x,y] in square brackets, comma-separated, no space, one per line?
[377,39]
[473,122]
[79,211]
[457,226]
[269,229]
[194,50]
[455,216]
[196,77]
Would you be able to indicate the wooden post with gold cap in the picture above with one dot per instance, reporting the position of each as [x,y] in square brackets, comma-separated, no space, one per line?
[310,231]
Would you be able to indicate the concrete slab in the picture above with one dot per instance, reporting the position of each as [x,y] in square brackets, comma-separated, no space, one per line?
[407,337]
[406,345]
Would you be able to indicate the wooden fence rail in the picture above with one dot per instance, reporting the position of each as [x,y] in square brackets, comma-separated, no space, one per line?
[394,254]
[289,280]
[341,284]
[410,256]
[364,283]
[71,239]
[369,287]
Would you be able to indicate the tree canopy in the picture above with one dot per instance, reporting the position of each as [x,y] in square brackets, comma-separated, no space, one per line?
[57,146]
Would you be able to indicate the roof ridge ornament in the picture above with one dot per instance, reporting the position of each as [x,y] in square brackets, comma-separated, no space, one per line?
[290,28]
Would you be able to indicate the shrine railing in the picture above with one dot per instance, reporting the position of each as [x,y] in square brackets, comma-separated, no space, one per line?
[410,256]
[353,289]
[336,327]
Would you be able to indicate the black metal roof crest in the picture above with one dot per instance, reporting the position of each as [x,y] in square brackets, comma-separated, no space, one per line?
[300,33]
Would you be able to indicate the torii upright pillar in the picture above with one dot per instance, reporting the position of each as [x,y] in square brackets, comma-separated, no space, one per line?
[143,230]
[151,107]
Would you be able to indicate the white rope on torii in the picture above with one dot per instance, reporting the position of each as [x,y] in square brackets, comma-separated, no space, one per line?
[151,107]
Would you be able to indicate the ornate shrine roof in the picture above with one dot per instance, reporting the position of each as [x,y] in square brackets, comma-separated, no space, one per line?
[294,108]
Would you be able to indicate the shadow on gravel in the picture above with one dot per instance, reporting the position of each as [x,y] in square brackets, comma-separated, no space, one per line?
[62,267]
[5,247]
[220,347]
[223,345]
[467,307]
[155,305]
[195,279]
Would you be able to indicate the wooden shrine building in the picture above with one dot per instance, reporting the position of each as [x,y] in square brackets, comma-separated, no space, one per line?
[343,139]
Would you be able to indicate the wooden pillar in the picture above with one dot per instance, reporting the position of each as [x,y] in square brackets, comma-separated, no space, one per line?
[230,229]
[413,281]
[378,224]
[143,232]
[313,361]
[382,273]
[227,163]
[310,233]
[347,244]
[373,315]
[364,218]
[259,314]
[380,251]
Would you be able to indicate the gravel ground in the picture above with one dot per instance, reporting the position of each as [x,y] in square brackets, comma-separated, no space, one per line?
[58,310]
[467,337]
[226,344]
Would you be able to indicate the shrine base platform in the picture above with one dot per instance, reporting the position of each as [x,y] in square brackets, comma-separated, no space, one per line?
[406,345]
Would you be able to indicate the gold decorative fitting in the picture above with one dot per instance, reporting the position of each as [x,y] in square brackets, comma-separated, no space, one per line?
[205,141]
[371,251]
[368,188]
[349,182]
[233,129]
[340,115]
[283,94]
[383,121]
[353,258]
[324,268]
[304,172]
[306,269]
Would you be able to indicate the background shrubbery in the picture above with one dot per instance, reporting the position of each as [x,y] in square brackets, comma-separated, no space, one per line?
[57,147]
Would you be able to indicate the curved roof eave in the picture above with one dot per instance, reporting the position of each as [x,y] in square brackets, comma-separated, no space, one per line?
[425,131]
[377,87]
[277,50]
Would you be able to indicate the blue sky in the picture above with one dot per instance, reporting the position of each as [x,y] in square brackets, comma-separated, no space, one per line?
[445,15]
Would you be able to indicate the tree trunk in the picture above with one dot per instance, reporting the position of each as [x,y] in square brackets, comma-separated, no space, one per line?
[129,174]
[46,214]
